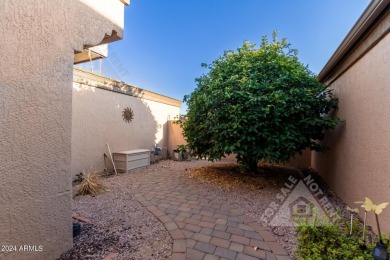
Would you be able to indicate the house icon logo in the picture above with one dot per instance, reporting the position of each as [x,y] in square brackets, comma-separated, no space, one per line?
[300,200]
[301,207]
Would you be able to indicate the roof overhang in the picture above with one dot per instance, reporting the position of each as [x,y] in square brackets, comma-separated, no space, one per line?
[125,2]
[113,11]
[93,53]
[365,23]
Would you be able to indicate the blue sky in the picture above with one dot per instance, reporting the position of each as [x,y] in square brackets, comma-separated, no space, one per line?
[166,41]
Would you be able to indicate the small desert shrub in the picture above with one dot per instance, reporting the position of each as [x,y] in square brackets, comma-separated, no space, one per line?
[343,239]
[328,242]
[331,241]
[90,183]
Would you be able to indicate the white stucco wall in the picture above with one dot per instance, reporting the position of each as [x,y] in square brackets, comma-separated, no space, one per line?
[37,44]
[97,120]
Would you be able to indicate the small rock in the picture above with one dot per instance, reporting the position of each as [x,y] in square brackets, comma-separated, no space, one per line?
[110,256]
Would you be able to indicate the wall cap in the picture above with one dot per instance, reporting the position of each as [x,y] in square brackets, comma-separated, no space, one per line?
[91,79]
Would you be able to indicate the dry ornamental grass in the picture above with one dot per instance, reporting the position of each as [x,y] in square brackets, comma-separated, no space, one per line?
[90,184]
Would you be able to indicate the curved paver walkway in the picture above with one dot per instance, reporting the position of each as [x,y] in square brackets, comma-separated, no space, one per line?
[201,228]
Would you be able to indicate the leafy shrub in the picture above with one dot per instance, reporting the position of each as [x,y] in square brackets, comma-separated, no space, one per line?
[258,104]
[331,241]
[326,242]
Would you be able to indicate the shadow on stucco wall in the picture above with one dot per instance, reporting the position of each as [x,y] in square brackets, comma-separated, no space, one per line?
[97,120]
[333,139]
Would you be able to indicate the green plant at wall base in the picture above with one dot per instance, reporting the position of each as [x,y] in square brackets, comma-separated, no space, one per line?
[258,103]
[318,239]
[329,242]
[181,149]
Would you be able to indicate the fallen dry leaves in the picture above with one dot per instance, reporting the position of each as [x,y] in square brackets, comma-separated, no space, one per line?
[229,176]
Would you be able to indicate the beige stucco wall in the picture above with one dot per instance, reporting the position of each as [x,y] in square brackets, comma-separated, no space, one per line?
[97,120]
[357,166]
[300,160]
[175,136]
[37,43]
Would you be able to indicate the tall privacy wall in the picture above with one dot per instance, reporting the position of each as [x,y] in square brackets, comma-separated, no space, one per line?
[38,40]
[97,119]
[357,165]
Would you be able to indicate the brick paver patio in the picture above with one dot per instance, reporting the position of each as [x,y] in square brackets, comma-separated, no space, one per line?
[201,228]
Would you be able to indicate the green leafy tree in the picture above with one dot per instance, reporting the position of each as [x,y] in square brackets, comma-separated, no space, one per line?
[258,103]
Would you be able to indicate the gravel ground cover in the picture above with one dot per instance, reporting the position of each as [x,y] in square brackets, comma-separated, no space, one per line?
[254,193]
[116,226]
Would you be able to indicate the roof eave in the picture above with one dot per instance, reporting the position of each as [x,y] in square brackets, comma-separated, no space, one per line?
[373,10]
[125,2]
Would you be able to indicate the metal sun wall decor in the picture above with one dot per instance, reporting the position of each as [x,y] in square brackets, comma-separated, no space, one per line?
[127,115]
